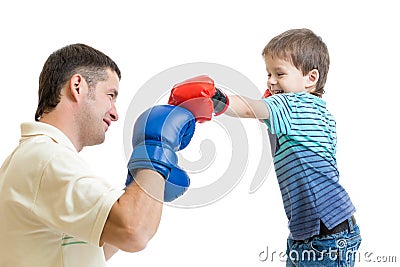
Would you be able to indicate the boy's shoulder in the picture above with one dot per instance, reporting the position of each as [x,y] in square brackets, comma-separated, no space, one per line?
[298,99]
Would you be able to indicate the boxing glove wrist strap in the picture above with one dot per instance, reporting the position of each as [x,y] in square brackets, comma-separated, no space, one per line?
[220,102]
[153,156]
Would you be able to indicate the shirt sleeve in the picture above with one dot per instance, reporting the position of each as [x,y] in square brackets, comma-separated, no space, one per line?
[280,109]
[72,200]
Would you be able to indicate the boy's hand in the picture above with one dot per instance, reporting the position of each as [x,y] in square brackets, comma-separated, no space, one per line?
[267,93]
[200,96]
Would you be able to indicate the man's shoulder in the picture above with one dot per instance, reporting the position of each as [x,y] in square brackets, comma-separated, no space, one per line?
[41,148]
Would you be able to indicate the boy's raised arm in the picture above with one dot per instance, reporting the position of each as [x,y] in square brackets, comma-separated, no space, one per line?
[200,96]
[244,107]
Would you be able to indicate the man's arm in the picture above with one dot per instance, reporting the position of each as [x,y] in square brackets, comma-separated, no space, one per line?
[244,107]
[158,133]
[134,218]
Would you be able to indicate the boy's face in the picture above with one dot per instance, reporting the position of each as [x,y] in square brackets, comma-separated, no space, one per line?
[284,77]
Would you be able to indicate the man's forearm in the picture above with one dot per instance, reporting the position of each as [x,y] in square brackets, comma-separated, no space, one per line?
[134,218]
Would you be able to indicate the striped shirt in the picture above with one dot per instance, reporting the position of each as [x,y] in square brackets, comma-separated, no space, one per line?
[303,134]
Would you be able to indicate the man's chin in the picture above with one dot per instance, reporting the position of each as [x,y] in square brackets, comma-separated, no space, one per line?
[96,140]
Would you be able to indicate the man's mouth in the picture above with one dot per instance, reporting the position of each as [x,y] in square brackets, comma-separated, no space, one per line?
[107,122]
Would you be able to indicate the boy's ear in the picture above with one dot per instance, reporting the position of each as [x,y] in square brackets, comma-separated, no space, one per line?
[75,84]
[312,78]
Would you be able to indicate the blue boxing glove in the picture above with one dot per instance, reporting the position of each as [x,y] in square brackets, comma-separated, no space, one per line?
[158,133]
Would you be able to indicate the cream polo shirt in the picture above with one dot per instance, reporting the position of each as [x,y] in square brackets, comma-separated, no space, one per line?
[52,206]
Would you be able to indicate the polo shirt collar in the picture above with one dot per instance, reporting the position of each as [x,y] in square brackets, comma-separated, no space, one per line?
[30,129]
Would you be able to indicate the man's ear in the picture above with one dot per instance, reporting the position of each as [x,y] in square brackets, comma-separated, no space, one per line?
[312,78]
[75,84]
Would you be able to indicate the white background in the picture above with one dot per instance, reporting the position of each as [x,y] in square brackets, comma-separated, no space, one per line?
[147,37]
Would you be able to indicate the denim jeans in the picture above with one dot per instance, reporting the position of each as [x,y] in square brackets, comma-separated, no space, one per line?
[336,250]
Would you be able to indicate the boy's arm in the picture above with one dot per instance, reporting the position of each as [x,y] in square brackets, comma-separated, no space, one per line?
[244,107]
[203,99]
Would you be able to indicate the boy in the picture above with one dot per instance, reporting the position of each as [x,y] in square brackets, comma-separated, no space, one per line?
[320,213]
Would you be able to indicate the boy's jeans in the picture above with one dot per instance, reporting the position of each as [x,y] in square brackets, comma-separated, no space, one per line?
[336,250]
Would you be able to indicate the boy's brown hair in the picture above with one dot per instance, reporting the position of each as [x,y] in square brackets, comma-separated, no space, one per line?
[305,50]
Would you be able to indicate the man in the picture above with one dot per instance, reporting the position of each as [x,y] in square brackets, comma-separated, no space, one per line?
[54,210]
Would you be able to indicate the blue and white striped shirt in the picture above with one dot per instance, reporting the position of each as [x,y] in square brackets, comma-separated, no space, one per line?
[304,136]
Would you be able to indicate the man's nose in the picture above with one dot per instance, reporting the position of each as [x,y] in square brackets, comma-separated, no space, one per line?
[113,113]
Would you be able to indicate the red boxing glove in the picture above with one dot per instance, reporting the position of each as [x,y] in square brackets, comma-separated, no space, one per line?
[267,93]
[199,96]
